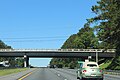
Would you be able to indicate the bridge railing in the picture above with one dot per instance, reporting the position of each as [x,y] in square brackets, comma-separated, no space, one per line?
[28,50]
[89,50]
[62,50]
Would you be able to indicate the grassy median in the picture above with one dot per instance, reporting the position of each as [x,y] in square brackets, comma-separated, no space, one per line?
[10,71]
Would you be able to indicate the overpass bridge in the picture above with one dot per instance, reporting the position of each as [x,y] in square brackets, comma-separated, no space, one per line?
[62,53]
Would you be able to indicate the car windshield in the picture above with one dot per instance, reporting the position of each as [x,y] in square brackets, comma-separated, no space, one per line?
[91,65]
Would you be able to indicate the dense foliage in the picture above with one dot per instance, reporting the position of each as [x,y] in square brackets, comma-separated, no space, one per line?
[108,21]
[84,39]
[12,60]
[3,46]
[107,28]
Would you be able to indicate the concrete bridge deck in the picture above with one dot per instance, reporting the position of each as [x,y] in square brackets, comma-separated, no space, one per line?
[62,53]
[57,52]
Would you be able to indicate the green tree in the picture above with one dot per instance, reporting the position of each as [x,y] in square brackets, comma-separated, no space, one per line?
[84,39]
[88,38]
[3,45]
[108,26]
[11,60]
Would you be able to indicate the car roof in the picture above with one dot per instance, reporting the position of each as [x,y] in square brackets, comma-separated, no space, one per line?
[85,64]
[80,62]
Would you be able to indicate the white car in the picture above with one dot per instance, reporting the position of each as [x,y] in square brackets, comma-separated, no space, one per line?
[89,70]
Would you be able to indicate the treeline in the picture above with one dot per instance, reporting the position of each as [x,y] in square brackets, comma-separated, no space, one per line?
[84,39]
[104,34]
[13,61]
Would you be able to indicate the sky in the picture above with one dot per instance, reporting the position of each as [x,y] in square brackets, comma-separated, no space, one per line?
[41,24]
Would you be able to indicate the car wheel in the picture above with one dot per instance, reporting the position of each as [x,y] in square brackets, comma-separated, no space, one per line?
[101,79]
[83,79]
[78,78]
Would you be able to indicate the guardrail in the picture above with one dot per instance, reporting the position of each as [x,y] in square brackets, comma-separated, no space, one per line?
[1,68]
[113,72]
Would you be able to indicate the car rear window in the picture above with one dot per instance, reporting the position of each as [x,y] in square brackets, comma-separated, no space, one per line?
[91,65]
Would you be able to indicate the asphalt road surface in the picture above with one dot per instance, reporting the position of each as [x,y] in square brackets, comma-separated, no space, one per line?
[59,74]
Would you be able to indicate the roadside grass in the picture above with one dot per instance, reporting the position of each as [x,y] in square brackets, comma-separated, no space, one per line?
[10,71]
[106,64]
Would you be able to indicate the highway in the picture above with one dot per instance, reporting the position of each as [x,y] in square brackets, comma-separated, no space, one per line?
[58,74]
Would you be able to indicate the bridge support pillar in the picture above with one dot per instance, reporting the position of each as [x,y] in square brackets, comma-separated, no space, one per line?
[97,57]
[26,61]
